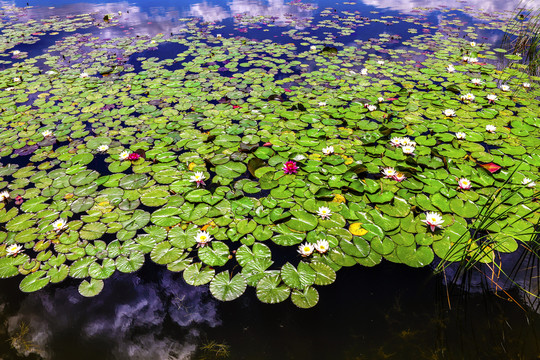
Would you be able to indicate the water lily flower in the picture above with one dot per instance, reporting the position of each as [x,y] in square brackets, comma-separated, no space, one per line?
[465,58]
[202,238]
[50,72]
[449,112]
[396,141]
[433,220]
[491,128]
[528,182]
[467,97]
[461,135]
[381,99]
[16,79]
[472,43]
[16,52]
[134,156]
[313,48]
[371,107]
[306,249]
[408,149]
[322,246]
[290,167]
[124,155]
[322,103]
[328,150]
[464,184]
[103,148]
[473,60]
[198,178]
[13,249]
[491,97]
[4,195]
[450,68]
[324,212]
[476,81]
[407,141]
[380,62]
[526,85]
[399,177]
[19,200]
[218,36]
[505,87]
[47,133]
[388,172]
[84,75]
[59,225]
[363,71]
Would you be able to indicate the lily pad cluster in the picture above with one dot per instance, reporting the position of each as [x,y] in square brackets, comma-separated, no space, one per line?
[112,153]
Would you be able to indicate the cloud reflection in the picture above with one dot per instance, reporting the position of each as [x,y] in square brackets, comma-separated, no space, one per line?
[133,317]
[483,5]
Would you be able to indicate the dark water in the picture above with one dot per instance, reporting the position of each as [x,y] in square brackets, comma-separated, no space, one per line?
[386,312]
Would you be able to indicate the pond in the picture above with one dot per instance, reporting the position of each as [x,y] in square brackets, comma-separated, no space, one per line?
[269,180]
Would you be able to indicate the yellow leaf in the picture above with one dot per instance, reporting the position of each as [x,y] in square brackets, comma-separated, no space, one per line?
[103,203]
[357,229]
[339,198]
[191,166]
[68,196]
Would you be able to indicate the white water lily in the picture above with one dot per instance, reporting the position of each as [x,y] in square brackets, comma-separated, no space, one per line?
[322,246]
[450,68]
[16,52]
[396,141]
[4,195]
[198,178]
[433,220]
[322,103]
[449,112]
[476,81]
[313,48]
[47,133]
[50,72]
[491,97]
[465,58]
[408,149]
[202,238]
[218,36]
[505,87]
[380,99]
[464,184]
[406,141]
[363,71]
[16,79]
[328,150]
[83,75]
[472,43]
[380,62]
[103,148]
[306,249]
[324,212]
[59,225]
[461,135]
[13,249]
[468,97]
[528,182]
[399,177]
[371,107]
[473,60]
[388,172]
[526,85]
[124,155]
[491,128]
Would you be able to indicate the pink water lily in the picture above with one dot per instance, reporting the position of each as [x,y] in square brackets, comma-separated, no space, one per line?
[290,167]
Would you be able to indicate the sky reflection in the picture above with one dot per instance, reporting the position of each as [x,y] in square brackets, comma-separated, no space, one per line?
[129,317]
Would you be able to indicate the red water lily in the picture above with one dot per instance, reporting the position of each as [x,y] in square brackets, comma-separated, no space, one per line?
[290,167]
[491,167]
[134,156]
